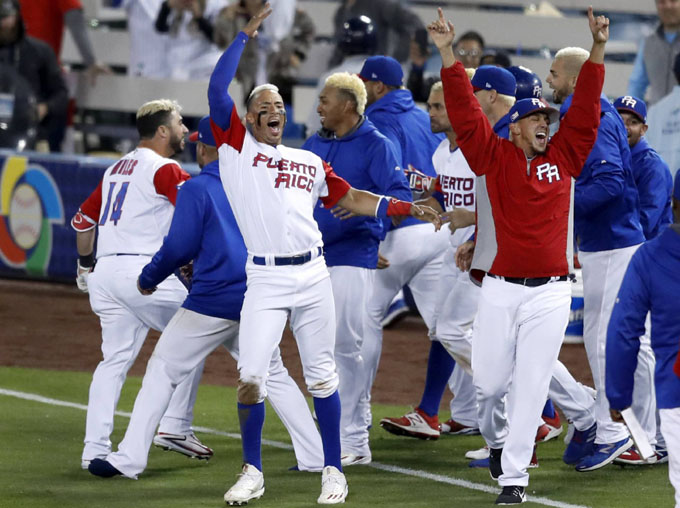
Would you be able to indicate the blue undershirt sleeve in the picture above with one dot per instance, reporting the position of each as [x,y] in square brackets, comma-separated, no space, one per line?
[221,103]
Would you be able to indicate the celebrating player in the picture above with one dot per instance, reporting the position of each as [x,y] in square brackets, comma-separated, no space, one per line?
[273,189]
[523,254]
[132,208]
[204,230]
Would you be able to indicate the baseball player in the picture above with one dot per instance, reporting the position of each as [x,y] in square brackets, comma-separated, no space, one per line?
[273,189]
[204,230]
[410,253]
[608,230]
[132,208]
[651,284]
[653,178]
[522,256]
[366,160]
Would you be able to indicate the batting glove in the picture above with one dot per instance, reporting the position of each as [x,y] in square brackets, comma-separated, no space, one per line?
[81,278]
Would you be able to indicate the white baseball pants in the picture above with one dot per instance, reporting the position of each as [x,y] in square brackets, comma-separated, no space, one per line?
[670,428]
[126,316]
[303,294]
[352,289]
[415,254]
[518,332]
[602,275]
[185,343]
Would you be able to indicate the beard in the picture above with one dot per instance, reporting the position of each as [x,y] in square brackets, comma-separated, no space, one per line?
[177,144]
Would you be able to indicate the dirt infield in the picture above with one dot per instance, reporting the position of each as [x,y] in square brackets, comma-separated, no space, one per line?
[51,326]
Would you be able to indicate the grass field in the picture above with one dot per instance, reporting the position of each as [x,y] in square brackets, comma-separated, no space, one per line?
[42,441]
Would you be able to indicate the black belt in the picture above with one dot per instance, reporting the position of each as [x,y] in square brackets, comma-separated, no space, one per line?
[126,254]
[532,282]
[299,259]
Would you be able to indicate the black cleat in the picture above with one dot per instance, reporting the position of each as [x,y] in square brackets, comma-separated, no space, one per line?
[512,494]
[103,468]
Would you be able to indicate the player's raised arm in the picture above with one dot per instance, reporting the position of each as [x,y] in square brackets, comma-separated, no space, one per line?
[221,103]
[443,34]
[599,27]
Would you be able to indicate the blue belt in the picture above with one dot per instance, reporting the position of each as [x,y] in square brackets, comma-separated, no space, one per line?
[532,282]
[299,259]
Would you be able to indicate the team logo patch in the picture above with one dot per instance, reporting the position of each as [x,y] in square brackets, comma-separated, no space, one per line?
[548,171]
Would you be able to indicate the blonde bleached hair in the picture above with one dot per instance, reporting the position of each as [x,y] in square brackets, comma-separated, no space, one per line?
[350,84]
[158,106]
[573,58]
[437,87]
[258,90]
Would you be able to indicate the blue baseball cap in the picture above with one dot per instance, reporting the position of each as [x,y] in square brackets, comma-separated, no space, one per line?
[676,189]
[382,68]
[204,133]
[526,107]
[490,77]
[633,105]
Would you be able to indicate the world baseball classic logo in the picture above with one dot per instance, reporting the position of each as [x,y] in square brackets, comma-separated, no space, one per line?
[30,204]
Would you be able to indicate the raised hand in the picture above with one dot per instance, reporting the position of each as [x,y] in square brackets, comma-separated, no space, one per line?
[599,26]
[441,31]
[254,23]
[426,214]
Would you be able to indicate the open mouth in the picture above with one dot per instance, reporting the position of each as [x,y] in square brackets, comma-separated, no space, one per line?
[541,136]
[274,127]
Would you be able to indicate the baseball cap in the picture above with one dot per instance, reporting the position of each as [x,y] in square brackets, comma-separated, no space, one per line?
[203,133]
[632,105]
[382,68]
[526,107]
[490,77]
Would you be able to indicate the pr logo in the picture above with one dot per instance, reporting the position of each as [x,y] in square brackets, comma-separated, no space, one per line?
[549,171]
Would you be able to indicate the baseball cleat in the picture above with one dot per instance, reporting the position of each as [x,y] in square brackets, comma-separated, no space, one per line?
[661,455]
[415,424]
[632,457]
[249,486]
[102,468]
[186,444]
[512,494]
[454,428]
[550,429]
[395,313]
[482,453]
[333,486]
[604,454]
[581,444]
[350,459]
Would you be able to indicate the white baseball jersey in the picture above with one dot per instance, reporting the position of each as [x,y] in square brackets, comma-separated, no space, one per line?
[273,190]
[136,194]
[456,182]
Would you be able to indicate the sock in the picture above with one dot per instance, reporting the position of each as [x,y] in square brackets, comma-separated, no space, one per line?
[328,415]
[251,420]
[549,409]
[439,368]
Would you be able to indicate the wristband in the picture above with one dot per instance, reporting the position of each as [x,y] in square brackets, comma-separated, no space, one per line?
[389,207]
[87,261]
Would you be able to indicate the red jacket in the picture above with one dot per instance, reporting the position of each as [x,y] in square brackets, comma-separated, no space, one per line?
[524,207]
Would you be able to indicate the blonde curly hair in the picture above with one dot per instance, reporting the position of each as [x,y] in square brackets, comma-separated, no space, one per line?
[352,85]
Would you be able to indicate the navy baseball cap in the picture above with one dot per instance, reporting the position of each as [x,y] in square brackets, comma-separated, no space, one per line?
[382,68]
[204,133]
[526,107]
[490,77]
[633,105]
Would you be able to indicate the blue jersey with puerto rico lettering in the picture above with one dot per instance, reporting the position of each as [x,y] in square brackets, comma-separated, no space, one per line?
[366,160]
[397,117]
[204,230]
[651,284]
[606,201]
[655,185]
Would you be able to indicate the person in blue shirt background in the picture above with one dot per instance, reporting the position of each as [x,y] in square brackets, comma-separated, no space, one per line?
[652,176]
[204,230]
[366,159]
[651,285]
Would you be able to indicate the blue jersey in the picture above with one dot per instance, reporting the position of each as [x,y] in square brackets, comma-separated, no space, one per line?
[366,160]
[396,116]
[651,283]
[606,202]
[655,185]
[204,229]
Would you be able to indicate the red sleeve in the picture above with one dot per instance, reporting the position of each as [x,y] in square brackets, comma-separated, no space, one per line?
[475,136]
[578,128]
[88,213]
[168,179]
[67,5]
[235,133]
[337,187]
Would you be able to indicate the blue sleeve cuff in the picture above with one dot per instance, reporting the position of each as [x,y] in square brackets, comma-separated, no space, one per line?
[381,210]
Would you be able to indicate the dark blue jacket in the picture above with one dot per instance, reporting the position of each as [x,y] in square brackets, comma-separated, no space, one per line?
[396,116]
[367,160]
[651,283]
[655,185]
[204,229]
[606,202]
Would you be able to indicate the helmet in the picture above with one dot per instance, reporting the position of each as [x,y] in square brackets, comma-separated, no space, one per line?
[529,85]
[358,36]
